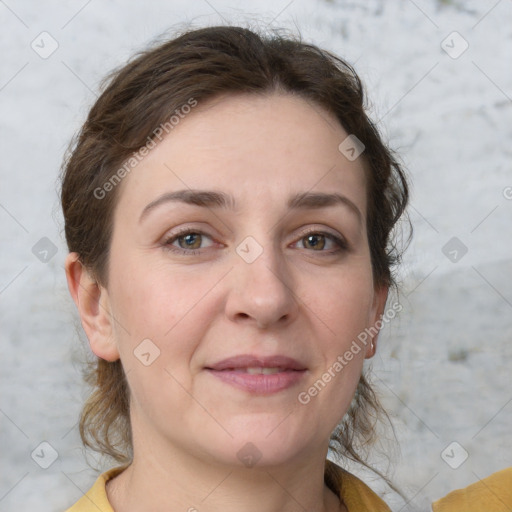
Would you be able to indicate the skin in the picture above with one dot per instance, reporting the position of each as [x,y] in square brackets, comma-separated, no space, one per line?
[298,298]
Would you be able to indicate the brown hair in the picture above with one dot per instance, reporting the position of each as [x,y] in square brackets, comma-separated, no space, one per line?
[144,94]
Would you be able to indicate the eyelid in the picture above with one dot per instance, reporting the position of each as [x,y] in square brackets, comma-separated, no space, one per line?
[320,230]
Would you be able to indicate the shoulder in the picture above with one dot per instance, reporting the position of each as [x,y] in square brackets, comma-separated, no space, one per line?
[491,493]
[354,492]
[95,499]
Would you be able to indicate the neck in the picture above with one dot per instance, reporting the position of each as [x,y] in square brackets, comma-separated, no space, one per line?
[188,484]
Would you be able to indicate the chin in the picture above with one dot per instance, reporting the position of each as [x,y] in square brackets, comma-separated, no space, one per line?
[264,444]
[254,455]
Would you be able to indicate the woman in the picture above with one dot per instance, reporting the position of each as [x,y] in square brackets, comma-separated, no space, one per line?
[228,207]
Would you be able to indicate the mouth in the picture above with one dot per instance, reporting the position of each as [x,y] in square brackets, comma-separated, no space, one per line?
[256,363]
[256,370]
[259,375]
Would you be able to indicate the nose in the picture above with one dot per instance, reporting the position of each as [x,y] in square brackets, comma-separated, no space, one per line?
[262,291]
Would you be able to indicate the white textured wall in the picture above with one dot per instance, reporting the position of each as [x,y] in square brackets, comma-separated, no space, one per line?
[444,368]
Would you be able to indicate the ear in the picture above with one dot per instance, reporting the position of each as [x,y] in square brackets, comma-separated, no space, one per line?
[379,303]
[93,304]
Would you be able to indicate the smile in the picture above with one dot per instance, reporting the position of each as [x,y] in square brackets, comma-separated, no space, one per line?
[258,380]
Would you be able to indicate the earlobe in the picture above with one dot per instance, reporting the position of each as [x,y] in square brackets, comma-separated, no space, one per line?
[92,302]
[379,303]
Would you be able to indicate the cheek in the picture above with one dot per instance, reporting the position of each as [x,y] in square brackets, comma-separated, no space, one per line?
[158,330]
[171,308]
[341,301]
[339,308]
[152,299]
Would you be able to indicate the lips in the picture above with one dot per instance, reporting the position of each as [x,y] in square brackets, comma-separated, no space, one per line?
[259,375]
[250,362]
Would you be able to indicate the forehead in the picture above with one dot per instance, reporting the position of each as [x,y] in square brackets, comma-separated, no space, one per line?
[256,148]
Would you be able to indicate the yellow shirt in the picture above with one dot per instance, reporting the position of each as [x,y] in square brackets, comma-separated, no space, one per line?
[356,495]
[492,494]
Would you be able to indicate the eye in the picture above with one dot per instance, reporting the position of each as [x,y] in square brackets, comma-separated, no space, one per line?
[319,241]
[188,241]
[191,242]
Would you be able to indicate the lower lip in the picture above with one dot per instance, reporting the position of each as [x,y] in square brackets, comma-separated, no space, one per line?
[259,383]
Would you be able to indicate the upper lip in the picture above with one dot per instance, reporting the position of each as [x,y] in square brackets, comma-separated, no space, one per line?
[251,361]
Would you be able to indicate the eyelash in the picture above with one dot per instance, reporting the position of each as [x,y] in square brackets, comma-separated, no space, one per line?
[341,244]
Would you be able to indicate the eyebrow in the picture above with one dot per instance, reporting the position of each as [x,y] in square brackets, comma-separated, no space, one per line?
[214,199]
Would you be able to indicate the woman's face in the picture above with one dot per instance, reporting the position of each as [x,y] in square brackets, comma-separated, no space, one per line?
[225,259]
